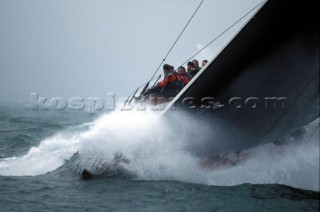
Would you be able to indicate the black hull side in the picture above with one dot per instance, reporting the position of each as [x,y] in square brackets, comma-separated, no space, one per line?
[275,55]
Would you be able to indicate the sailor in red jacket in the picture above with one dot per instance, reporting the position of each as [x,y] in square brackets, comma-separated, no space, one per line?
[168,77]
[170,86]
[185,76]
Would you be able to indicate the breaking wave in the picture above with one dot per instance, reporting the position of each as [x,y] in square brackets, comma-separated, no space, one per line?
[142,146]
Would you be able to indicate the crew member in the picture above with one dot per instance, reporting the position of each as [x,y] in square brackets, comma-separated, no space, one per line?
[170,86]
[186,77]
[196,65]
[204,62]
[191,70]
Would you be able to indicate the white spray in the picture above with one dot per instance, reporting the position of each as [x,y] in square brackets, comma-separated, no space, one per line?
[142,144]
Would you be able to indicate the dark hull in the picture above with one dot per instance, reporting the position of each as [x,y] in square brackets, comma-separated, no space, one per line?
[275,55]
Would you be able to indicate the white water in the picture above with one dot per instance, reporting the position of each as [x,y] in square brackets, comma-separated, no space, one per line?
[48,156]
[156,152]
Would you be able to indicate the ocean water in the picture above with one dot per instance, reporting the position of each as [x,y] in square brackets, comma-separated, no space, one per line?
[140,165]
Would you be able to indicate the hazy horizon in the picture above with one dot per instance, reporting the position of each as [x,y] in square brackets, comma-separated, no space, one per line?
[87,49]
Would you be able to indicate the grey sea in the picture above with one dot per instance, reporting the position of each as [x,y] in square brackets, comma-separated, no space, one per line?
[42,153]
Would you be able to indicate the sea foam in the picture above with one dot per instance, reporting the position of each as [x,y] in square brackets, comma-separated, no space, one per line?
[146,146]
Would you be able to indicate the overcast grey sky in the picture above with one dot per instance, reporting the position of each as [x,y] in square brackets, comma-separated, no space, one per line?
[87,48]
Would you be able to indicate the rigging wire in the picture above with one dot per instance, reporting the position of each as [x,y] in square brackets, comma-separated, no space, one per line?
[314,131]
[185,27]
[226,30]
